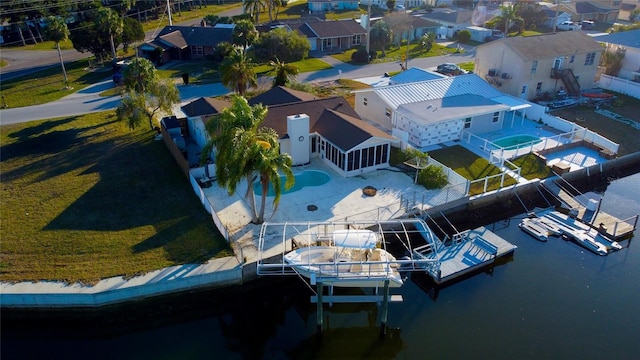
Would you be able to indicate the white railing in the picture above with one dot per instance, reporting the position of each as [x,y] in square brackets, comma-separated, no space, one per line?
[207,205]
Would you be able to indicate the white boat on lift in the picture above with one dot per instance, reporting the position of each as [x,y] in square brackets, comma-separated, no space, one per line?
[551,226]
[587,241]
[534,228]
[351,258]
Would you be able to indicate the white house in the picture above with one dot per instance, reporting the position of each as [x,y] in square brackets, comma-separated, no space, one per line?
[431,112]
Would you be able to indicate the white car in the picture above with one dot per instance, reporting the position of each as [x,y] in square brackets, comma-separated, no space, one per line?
[568,26]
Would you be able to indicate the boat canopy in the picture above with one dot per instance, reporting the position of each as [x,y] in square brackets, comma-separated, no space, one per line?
[355,238]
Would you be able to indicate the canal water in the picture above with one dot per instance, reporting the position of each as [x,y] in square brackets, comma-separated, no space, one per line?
[552,300]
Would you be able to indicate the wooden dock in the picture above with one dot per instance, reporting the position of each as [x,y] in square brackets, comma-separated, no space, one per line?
[481,248]
[608,225]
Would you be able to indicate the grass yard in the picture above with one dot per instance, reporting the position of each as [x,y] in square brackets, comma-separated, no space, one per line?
[397,53]
[615,131]
[532,167]
[306,65]
[85,198]
[471,167]
[48,85]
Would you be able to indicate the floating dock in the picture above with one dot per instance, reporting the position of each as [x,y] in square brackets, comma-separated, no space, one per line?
[469,251]
[608,225]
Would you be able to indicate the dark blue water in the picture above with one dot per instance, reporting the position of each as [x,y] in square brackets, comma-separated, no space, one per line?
[552,300]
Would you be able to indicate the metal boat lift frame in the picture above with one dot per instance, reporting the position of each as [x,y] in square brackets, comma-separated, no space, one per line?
[310,234]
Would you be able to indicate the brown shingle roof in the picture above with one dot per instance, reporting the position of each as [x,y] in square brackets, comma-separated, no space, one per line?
[346,131]
[183,36]
[281,95]
[333,118]
[205,106]
[330,29]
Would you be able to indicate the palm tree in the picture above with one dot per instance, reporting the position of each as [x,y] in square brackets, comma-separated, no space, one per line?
[380,36]
[509,15]
[284,72]
[244,34]
[246,151]
[139,74]
[109,22]
[58,31]
[238,72]
[269,165]
[253,7]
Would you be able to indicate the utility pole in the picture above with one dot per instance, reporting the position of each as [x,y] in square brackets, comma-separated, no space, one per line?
[555,18]
[169,12]
[368,30]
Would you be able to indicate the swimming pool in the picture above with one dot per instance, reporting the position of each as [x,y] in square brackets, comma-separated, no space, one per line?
[516,141]
[307,178]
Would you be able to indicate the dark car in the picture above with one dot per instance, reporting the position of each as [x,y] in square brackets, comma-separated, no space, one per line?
[449,69]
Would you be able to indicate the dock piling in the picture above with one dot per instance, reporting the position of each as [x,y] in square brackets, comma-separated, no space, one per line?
[385,309]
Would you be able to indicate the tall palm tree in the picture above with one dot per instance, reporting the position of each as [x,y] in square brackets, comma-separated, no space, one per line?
[270,163]
[57,31]
[284,72]
[244,34]
[238,72]
[509,15]
[254,7]
[109,22]
[246,151]
[380,36]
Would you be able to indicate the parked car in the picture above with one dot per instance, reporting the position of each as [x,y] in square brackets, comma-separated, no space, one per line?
[449,69]
[568,26]
[587,24]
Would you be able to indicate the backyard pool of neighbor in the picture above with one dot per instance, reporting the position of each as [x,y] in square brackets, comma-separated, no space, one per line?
[516,141]
[306,178]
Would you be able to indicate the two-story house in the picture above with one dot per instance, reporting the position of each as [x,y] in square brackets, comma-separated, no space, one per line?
[529,67]
[603,11]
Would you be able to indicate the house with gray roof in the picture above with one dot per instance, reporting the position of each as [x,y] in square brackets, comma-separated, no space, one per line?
[629,42]
[432,112]
[308,127]
[186,42]
[604,11]
[331,36]
[331,130]
[449,21]
[535,66]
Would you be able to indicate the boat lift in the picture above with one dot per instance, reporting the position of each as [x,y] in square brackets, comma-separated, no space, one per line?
[412,243]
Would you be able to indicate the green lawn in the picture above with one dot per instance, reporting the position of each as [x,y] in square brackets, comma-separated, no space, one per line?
[85,198]
[397,53]
[306,65]
[48,85]
[532,167]
[470,166]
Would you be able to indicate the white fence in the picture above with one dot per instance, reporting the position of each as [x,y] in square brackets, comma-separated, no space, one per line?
[207,205]
[619,85]
[578,132]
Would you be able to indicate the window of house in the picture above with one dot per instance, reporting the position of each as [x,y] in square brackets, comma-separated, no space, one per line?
[364,101]
[590,58]
[616,2]
[496,117]
[387,112]
[572,58]
[539,87]
[356,39]
[326,43]
[467,123]
[534,67]
[197,50]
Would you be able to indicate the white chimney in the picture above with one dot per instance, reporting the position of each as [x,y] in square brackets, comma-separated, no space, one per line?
[298,130]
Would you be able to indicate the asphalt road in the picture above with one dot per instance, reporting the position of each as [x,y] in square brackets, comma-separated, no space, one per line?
[22,62]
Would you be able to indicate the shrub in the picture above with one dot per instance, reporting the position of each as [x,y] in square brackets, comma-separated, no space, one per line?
[373,54]
[464,36]
[360,56]
[432,177]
